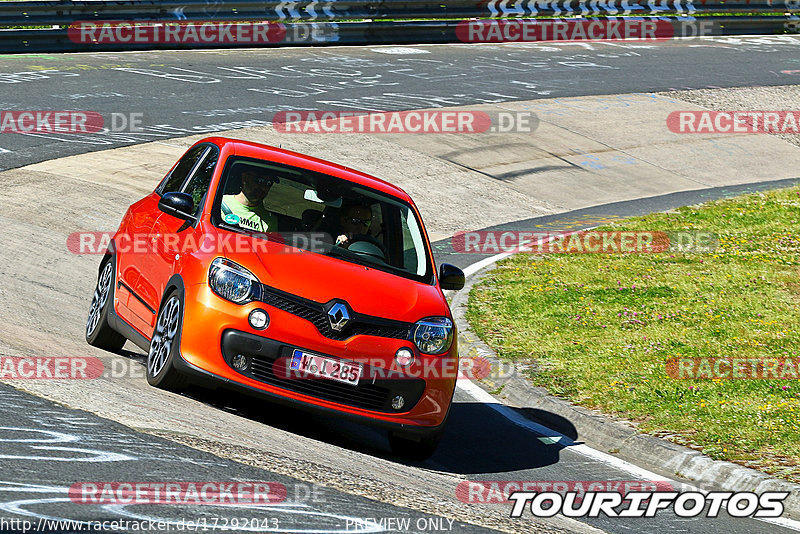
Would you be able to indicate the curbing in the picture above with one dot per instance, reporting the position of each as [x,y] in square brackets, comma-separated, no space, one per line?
[607,434]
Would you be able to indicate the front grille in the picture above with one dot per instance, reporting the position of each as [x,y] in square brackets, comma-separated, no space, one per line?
[315,313]
[369,394]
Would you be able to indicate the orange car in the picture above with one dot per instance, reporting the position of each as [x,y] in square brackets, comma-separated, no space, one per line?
[287,277]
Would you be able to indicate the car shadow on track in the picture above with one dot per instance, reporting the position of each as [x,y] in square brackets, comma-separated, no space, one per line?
[477,438]
[480,440]
[135,356]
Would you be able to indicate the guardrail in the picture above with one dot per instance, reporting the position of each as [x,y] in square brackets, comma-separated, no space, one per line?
[318,22]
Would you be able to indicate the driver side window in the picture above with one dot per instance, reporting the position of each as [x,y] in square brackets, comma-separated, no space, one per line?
[180,172]
[201,179]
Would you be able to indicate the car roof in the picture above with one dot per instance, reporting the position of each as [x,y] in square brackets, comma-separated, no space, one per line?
[279,155]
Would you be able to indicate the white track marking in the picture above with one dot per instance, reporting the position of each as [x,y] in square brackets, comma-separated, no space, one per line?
[50,436]
[477,266]
[400,50]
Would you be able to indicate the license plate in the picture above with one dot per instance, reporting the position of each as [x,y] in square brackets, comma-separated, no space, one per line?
[322,367]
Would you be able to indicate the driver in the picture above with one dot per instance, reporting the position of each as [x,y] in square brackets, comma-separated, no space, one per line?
[354,219]
[247,208]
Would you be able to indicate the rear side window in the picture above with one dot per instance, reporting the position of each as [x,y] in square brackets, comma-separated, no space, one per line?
[175,179]
[201,179]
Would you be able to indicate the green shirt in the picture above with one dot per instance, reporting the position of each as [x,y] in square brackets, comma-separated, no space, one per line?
[256,218]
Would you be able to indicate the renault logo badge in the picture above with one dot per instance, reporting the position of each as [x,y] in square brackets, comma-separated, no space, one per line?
[338,316]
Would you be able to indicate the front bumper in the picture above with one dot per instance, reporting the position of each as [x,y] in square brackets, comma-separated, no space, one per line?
[267,361]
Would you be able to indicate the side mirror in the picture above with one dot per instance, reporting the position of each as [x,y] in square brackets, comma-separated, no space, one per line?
[178,205]
[451,277]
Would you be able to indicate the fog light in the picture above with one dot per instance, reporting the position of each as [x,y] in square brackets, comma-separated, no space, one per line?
[258,319]
[398,402]
[404,357]
[239,362]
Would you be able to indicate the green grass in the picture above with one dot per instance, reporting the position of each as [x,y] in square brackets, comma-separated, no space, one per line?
[598,328]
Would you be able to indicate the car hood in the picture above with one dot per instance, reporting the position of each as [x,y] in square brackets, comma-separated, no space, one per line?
[322,278]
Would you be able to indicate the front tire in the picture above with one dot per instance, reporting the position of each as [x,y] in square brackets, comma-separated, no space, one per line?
[165,346]
[98,332]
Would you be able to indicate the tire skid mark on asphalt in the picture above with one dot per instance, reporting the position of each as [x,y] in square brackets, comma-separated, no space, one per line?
[84,454]
[97,456]
[20,507]
[55,437]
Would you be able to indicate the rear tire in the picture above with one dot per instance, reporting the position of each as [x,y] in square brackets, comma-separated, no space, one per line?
[414,450]
[165,346]
[98,332]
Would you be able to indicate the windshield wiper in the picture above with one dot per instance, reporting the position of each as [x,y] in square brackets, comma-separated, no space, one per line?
[346,255]
[364,260]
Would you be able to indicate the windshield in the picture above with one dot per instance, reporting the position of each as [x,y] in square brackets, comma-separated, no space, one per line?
[322,214]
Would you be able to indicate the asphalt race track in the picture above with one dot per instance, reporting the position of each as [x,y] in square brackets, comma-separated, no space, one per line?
[74,441]
[47,447]
[184,92]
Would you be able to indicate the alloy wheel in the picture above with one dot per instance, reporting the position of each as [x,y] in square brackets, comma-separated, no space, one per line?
[100,298]
[164,335]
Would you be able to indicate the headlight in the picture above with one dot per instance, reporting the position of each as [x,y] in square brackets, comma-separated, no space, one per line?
[433,335]
[233,282]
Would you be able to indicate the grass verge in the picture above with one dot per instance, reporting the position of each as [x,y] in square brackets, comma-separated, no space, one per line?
[598,329]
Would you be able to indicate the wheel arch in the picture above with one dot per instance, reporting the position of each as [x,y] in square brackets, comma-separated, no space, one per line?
[111,250]
[174,283]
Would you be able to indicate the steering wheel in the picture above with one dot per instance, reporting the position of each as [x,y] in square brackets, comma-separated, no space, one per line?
[379,253]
